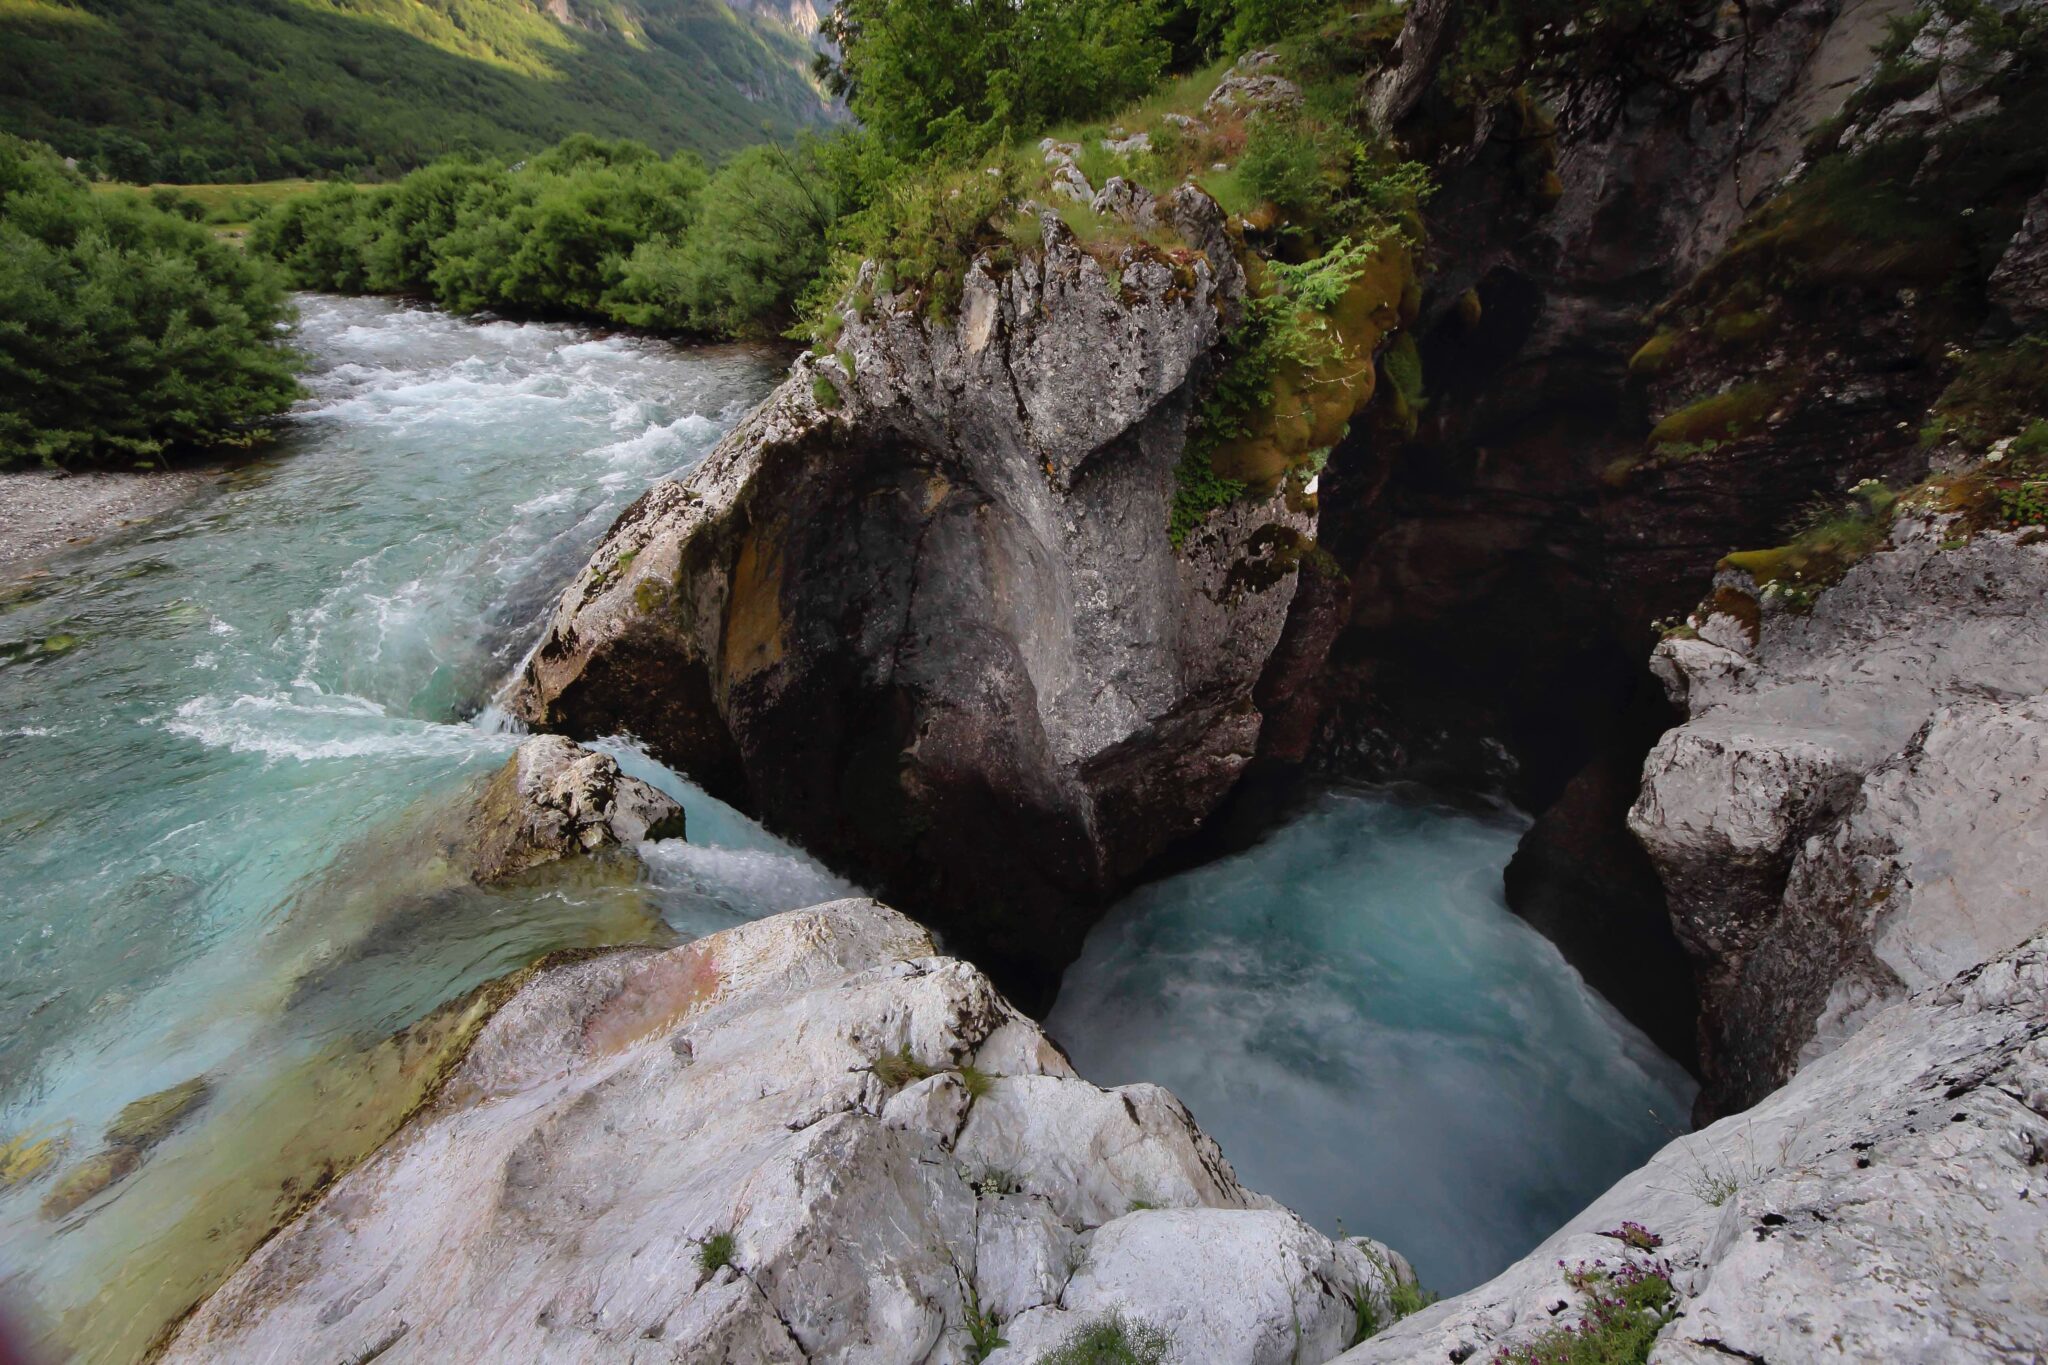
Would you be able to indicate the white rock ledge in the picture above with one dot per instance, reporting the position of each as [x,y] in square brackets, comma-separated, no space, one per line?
[620,1113]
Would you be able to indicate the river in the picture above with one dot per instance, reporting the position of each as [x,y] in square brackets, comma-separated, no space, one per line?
[213,730]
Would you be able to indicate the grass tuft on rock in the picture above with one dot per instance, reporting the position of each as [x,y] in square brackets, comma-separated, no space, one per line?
[715,1252]
[1115,1340]
[1625,1307]
[900,1068]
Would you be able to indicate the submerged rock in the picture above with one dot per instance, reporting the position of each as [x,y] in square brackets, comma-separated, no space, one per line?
[806,1138]
[922,612]
[1885,1205]
[1853,809]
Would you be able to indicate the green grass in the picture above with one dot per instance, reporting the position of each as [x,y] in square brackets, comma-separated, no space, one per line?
[899,1068]
[1113,1341]
[715,1252]
[1623,1311]
[257,90]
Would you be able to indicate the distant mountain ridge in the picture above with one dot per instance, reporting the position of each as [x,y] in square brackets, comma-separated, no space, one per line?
[229,90]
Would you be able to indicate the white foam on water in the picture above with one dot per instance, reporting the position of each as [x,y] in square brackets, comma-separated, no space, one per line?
[1352,1011]
[313,727]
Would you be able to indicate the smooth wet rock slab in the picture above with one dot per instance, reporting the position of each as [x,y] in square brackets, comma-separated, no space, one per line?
[806,1138]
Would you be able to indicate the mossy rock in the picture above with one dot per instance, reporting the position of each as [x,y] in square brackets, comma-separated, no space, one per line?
[28,1156]
[1470,311]
[90,1178]
[1739,412]
[824,394]
[151,1119]
[1653,355]
[1745,328]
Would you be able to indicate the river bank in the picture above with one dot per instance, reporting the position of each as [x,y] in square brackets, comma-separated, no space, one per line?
[46,511]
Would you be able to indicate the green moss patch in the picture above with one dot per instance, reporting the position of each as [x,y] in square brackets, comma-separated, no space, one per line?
[1741,411]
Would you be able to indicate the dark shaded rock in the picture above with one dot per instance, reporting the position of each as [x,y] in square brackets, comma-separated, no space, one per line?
[921,612]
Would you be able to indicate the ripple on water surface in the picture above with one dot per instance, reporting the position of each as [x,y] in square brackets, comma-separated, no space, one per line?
[1352,1011]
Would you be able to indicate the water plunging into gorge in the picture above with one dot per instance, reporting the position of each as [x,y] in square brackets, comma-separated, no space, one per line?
[212,730]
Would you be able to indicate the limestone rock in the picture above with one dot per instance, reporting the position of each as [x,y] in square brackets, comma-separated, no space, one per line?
[931,625]
[554,800]
[1254,1286]
[1852,810]
[2020,283]
[1242,93]
[1125,199]
[621,1114]
[1885,1205]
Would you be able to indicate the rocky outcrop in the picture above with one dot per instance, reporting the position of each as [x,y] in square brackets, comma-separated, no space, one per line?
[554,800]
[804,1139]
[1855,807]
[1886,1205]
[921,611]
[2019,285]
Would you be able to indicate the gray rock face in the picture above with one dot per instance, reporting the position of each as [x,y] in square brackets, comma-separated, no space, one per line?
[554,800]
[2020,283]
[803,1139]
[921,611]
[1885,1205]
[1854,808]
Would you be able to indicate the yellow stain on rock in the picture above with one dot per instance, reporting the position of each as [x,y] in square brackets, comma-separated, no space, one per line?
[754,623]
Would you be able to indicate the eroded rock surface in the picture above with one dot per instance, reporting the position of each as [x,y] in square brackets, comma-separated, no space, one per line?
[1885,1205]
[921,612]
[806,1138]
[554,800]
[1856,807]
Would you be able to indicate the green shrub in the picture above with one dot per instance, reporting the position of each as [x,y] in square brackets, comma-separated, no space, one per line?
[1284,165]
[715,1252]
[1113,1341]
[126,332]
[952,75]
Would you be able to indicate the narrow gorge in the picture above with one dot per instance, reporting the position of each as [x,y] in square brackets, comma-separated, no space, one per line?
[1172,789]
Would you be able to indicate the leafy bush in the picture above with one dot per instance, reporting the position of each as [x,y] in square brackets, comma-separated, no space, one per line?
[951,75]
[126,332]
[762,234]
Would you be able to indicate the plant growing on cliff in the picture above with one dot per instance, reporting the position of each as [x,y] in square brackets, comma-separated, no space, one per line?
[899,1068]
[1286,324]
[984,1333]
[715,1252]
[1624,1307]
[1115,1340]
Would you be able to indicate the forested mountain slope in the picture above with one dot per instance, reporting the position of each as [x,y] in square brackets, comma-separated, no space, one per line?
[192,90]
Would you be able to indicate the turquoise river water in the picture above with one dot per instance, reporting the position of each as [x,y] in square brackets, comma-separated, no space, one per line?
[218,729]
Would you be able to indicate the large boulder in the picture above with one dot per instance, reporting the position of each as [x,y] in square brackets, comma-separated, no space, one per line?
[921,611]
[1853,809]
[804,1139]
[1886,1205]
